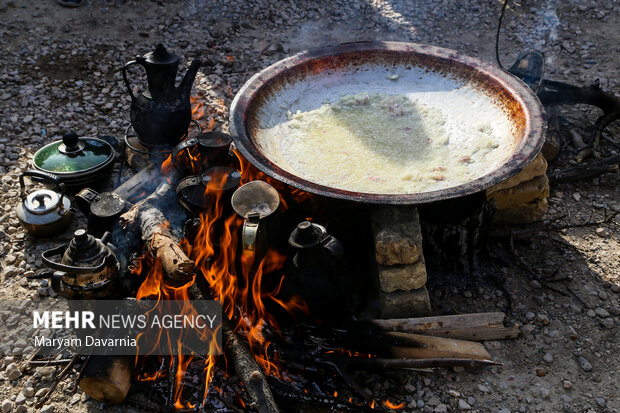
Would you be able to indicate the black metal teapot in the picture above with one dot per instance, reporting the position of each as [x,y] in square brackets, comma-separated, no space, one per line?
[88,267]
[161,115]
[317,272]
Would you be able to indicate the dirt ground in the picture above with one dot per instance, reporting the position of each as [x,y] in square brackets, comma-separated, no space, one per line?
[60,71]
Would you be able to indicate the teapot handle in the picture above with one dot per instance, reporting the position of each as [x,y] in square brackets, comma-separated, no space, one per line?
[42,177]
[187,143]
[70,269]
[333,247]
[249,234]
[133,62]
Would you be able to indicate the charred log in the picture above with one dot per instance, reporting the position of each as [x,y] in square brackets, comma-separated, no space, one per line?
[248,370]
[585,171]
[148,219]
[296,400]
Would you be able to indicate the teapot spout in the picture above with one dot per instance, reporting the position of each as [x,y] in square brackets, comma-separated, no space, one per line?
[185,86]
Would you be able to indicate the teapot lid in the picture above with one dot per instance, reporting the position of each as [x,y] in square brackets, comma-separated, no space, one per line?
[214,139]
[306,235]
[161,56]
[83,249]
[42,201]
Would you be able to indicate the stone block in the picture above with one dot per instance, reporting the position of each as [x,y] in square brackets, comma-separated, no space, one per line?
[397,235]
[522,214]
[404,304]
[523,193]
[537,167]
[402,277]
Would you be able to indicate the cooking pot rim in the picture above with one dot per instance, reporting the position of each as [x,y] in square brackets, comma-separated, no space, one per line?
[530,145]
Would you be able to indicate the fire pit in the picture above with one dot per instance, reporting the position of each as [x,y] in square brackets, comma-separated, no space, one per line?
[303,80]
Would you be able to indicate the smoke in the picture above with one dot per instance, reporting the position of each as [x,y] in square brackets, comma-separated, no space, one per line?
[541,29]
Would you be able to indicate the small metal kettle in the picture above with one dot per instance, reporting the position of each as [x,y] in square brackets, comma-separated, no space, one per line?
[198,193]
[203,151]
[44,212]
[318,267]
[87,269]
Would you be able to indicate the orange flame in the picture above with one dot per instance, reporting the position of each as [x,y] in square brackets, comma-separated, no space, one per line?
[235,279]
[393,406]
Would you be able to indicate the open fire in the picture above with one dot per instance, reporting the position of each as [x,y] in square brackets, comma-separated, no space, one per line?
[241,285]
[249,284]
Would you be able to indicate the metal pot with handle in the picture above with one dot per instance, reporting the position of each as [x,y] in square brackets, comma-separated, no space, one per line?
[44,212]
[87,269]
[258,203]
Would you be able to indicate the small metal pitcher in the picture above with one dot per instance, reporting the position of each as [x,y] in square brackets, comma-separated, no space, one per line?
[213,149]
[258,203]
[198,193]
[318,272]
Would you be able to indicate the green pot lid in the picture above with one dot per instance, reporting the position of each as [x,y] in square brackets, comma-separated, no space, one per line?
[89,154]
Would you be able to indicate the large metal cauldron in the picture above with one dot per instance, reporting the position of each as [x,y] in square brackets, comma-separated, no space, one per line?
[305,80]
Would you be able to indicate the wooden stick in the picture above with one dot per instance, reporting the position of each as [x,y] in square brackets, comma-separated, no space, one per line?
[585,171]
[410,345]
[248,370]
[59,378]
[477,327]
[49,362]
[440,322]
[138,183]
[237,351]
[404,363]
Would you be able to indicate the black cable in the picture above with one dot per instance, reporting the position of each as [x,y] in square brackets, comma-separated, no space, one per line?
[499,27]
[536,88]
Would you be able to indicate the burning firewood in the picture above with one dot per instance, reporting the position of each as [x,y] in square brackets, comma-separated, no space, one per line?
[248,371]
[159,239]
[243,360]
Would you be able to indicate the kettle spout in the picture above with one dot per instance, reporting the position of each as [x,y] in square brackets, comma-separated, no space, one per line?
[185,86]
